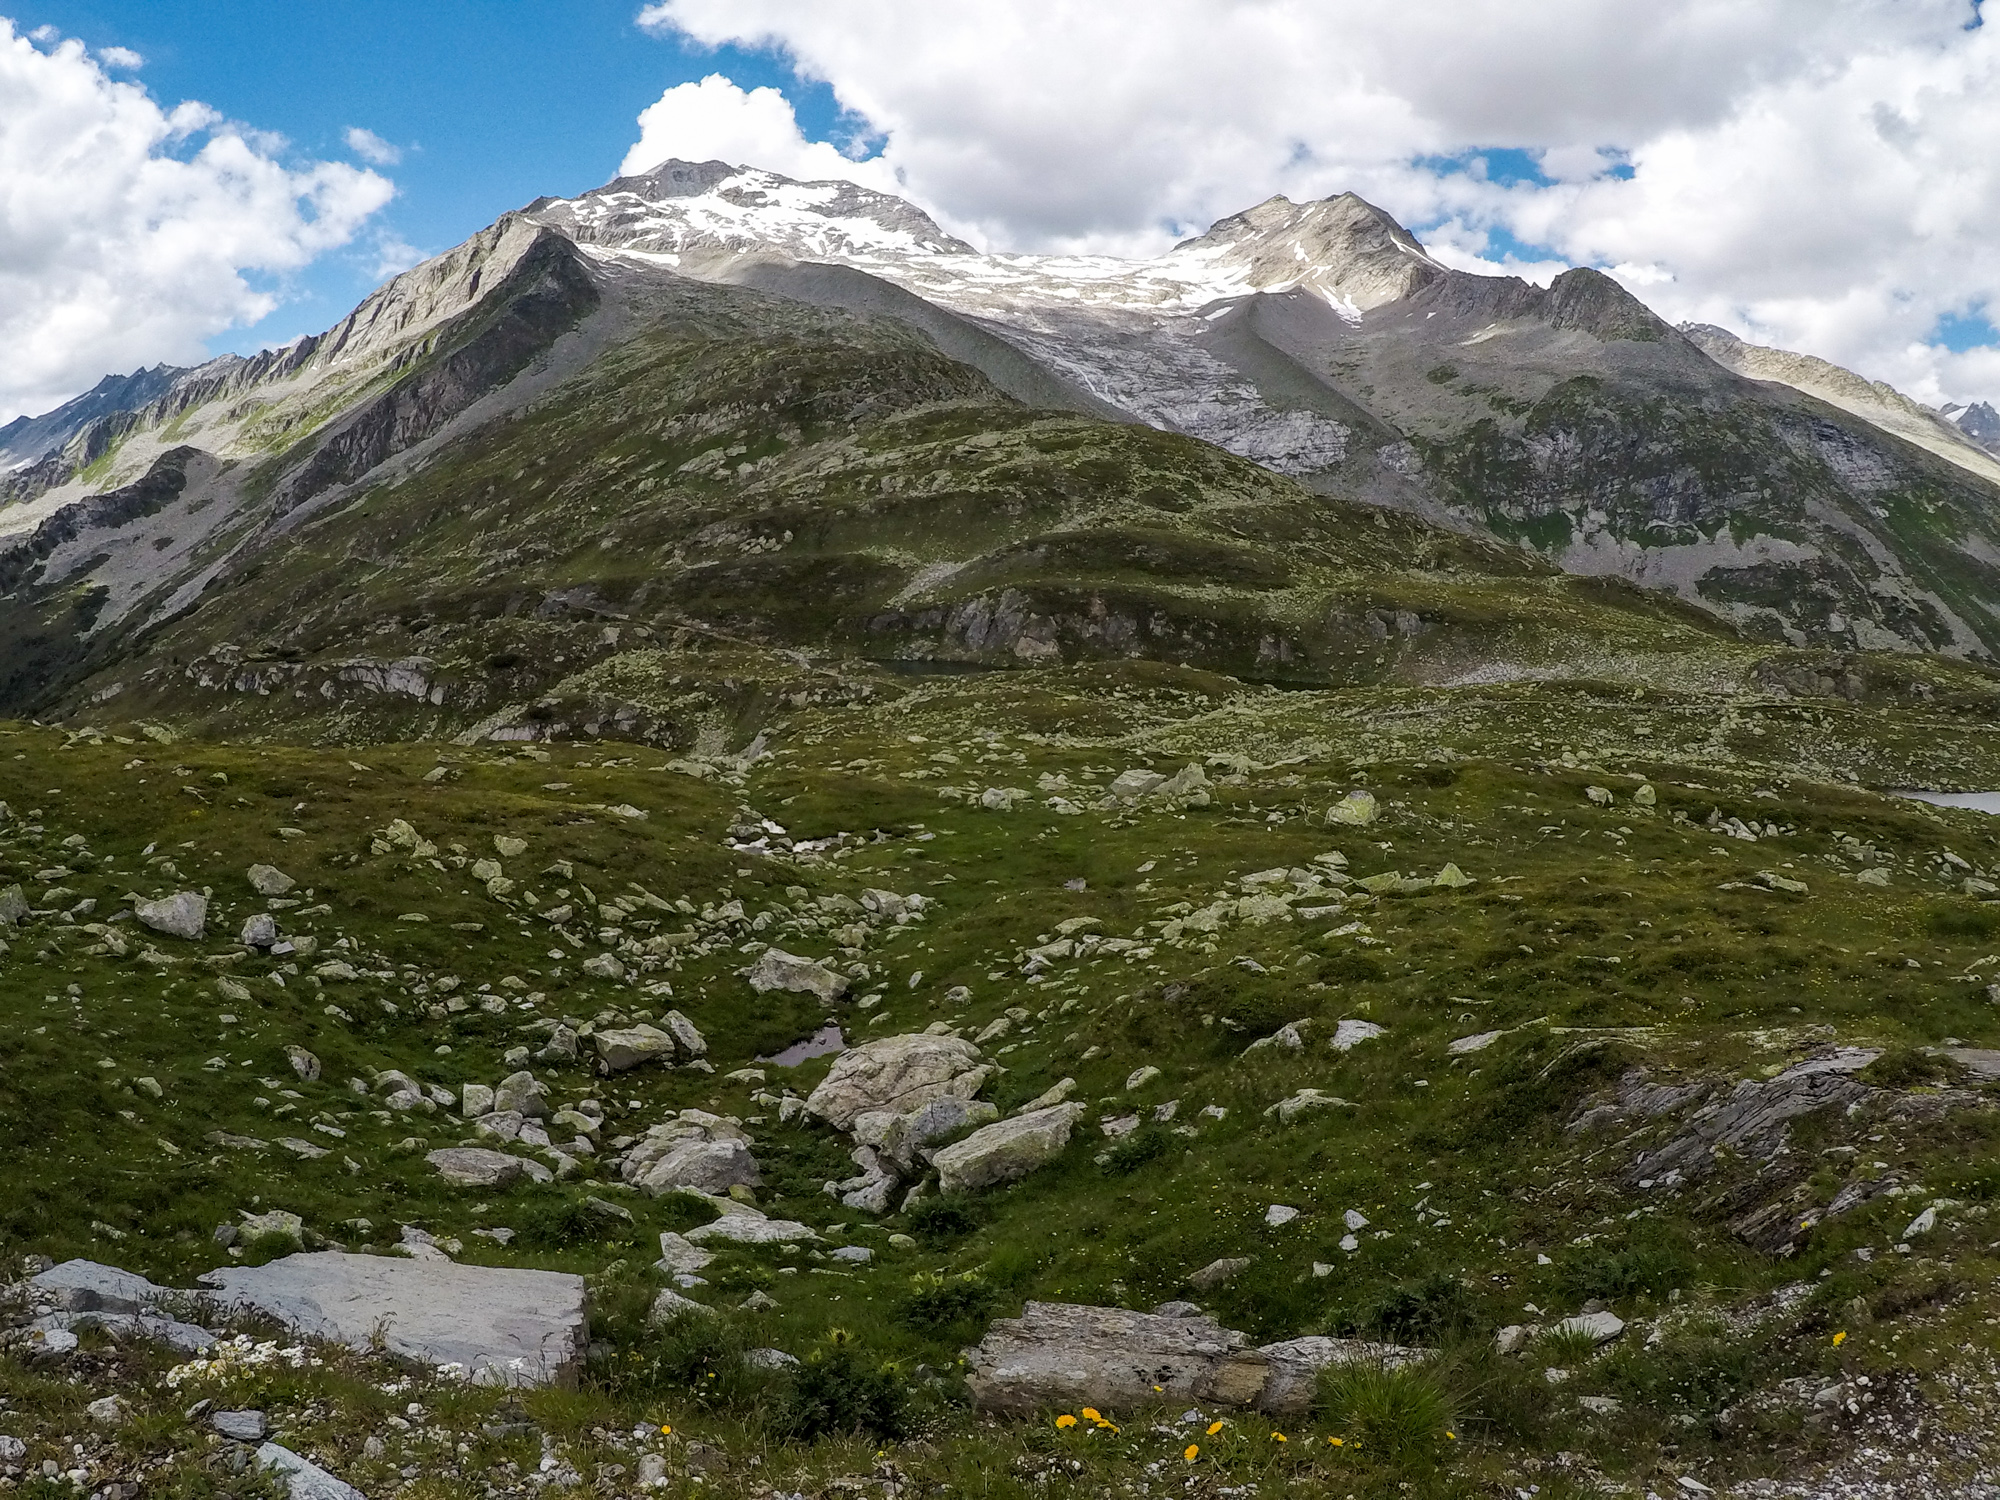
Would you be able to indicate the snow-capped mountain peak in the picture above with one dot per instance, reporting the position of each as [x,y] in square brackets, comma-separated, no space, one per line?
[697,217]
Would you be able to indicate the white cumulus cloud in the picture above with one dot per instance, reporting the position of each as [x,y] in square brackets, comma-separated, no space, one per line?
[131,233]
[1814,173]
[370,147]
[714,120]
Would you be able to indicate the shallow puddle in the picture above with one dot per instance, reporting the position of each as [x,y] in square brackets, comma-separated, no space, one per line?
[826,1039]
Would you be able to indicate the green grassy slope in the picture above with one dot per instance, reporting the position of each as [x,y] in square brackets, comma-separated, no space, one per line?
[1644,933]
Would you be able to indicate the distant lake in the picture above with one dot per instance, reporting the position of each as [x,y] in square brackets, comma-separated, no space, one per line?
[1986,802]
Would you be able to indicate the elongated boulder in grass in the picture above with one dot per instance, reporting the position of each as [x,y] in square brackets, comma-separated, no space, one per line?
[13,907]
[778,970]
[1005,1150]
[1059,1354]
[183,915]
[897,1074]
[475,1166]
[501,1327]
[631,1046]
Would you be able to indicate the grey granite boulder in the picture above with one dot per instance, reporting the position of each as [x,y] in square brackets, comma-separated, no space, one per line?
[629,1047]
[182,915]
[303,1479]
[475,1166]
[1005,1150]
[778,970]
[897,1074]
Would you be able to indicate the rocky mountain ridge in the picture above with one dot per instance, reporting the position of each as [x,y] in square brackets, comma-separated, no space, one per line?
[802,344]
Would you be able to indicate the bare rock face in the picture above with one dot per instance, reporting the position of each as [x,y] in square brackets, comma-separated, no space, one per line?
[183,915]
[1062,1354]
[1005,1150]
[501,1327]
[1057,1354]
[897,1074]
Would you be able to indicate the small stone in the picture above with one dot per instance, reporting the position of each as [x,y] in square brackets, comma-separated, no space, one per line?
[241,1426]
[509,848]
[1353,1219]
[1599,795]
[269,880]
[1218,1271]
[1350,1034]
[1356,810]
[109,1411]
[1279,1214]
[668,1305]
[303,1063]
[259,931]
[604,966]
[1140,1077]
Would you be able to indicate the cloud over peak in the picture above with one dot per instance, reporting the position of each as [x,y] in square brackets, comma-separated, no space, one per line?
[1816,173]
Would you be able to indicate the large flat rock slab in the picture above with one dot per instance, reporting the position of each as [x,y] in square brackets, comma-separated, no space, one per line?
[503,1327]
[1059,1354]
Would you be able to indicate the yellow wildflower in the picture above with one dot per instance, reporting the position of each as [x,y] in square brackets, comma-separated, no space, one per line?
[1090,1414]
[1335,1443]
[1214,1428]
[1065,1420]
[1193,1452]
[1277,1437]
[1840,1338]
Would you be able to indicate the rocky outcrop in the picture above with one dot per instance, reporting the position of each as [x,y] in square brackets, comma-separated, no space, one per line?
[897,1074]
[693,1152]
[500,1327]
[1062,1354]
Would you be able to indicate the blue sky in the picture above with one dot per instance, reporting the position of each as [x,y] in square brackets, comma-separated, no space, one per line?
[493,102]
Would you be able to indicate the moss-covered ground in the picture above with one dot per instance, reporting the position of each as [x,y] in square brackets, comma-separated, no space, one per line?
[1699,890]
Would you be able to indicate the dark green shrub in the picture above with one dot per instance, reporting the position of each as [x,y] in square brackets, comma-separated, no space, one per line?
[840,1392]
[560,1223]
[1140,1147]
[1652,1260]
[945,1307]
[1904,1068]
[938,1222]
[1429,1312]
[1695,1373]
